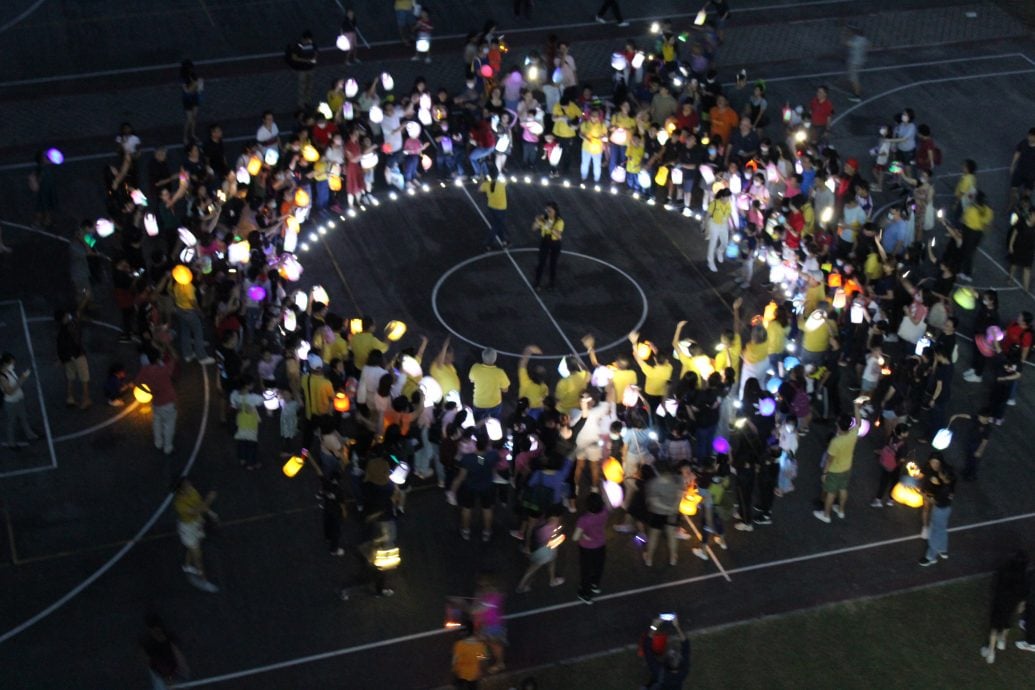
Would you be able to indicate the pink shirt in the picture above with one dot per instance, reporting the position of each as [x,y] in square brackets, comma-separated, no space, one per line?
[594,529]
[158,378]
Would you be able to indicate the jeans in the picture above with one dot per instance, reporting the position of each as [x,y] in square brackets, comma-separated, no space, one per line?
[617,158]
[15,412]
[567,145]
[591,567]
[410,167]
[477,159]
[191,330]
[703,441]
[163,421]
[549,251]
[530,153]
[587,159]
[887,482]
[305,87]
[481,413]
[321,195]
[497,228]
[425,454]
[938,532]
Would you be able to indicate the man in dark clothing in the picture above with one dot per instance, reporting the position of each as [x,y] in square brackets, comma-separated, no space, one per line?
[746,449]
[669,668]
[73,357]
[301,58]
[215,153]
[165,661]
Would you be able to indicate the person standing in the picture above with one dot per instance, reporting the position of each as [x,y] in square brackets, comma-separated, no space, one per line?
[977,219]
[855,59]
[663,494]
[592,131]
[550,228]
[611,5]
[474,483]
[318,398]
[469,657]
[720,211]
[1022,168]
[191,510]
[14,402]
[73,357]
[301,57]
[838,468]
[591,536]
[191,86]
[495,190]
[490,383]
[192,331]
[1021,247]
[165,662]
[939,486]
[156,376]
[1009,590]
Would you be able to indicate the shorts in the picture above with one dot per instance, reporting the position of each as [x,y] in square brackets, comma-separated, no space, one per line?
[1021,180]
[466,497]
[77,369]
[544,555]
[191,533]
[593,453]
[836,481]
[655,521]
[853,71]
[867,385]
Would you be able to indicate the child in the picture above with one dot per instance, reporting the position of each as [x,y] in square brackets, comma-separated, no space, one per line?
[288,417]
[115,386]
[634,163]
[267,367]
[881,153]
[891,457]
[422,30]
[549,156]
[788,451]
[247,404]
[872,370]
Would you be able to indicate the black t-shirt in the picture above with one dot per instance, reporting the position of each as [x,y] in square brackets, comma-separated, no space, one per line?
[694,155]
[69,342]
[943,373]
[706,410]
[230,364]
[1026,162]
[744,145]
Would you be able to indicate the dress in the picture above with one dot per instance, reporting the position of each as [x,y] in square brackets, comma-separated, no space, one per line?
[1023,245]
[354,182]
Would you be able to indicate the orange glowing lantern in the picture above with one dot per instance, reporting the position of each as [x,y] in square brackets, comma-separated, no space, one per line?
[254,165]
[834,280]
[301,198]
[691,499]
[341,402]
[182,275]
[613,471]
[334,182]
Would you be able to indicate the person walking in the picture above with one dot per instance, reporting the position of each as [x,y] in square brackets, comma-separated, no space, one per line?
[495,190]
[663,494]
[615,9]
[156,377]
[720,211]
[1009,590]
[191,510]
[191,86]
[550,227]
[73,357]
[939,486]
[591,537]
[165,662]
[14,402]
[301,57]
[857,44]
[838,467]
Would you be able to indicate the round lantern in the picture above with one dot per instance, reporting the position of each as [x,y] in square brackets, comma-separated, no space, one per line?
[400,473]
[290,268]
[254,166]
[618,175]
[271,399]
[182,275]
[343,43]
[334,183]
[351,88]
[310,154]
[395,330]
[602,376]
[555,155]
[376,115]
[368,161]
[55,156]
[620,137]
[493,429]
[613,471]
[907,490]
[613,492]
[643,179]
[150,225]
[766,407]
[342,402]
[720,445]
[644,349]
[677,176]
[688,504]
[256,293]
[965,297]
[486,71]
[619,62]
[142,393]
[301,197]
[387,82]
[631,396]
[272,156]
[104,227]
[432,391]
[294,464]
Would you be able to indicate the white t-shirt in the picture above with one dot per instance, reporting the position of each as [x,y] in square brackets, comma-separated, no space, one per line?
[369,377]
[12,380]
[872,370]
[265,133]
[129,143]
[598,424]
[391,128]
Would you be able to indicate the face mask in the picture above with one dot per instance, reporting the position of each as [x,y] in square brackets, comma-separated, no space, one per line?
[712,151]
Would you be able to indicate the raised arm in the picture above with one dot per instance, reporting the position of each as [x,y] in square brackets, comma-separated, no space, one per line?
[588,341]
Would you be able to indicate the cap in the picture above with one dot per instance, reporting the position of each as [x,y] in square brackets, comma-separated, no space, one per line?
[315,362]
[852,162]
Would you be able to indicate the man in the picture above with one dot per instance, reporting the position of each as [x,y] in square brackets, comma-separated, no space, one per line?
[318,397]
[1022,168]
[939,390]
[156,375]
[744,143]
[215,154]
[73,357]
[474,483]
[691,157]
[856,58]
[820,112]
[268,134]
[490,383]
[896,234]
[301,58]
[838,469]
[192,331]
[191,510]
[615,9]
[365,342]
[662,106]
[14,402]
[723,119]
[1019,336]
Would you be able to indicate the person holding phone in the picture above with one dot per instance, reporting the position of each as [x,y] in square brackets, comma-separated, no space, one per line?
[550,227]
[14,402]
[667,654]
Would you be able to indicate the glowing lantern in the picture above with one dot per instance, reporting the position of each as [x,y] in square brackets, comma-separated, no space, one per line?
[187,237]
[394,330]
[662,137]
[290,241]
[555,155]
[816,320]
[150,225]
[290,320]
[618,175]
[342,402]
[334,183]
[826,215]
[638,58]
[839,299]
[613,491]
[301,197]
[411,367]
[468,422]
[942,439]
[387,82]
[965,297]
[142,393]
[703,366]
[707,174]
[368,161]
[631,396]
[387,559]
[243,176]
[256,293]
[493,429]
[766,407]
[343,43]
[502,143]
[376,115]
[677,176]
[907,490]
[252,168]
[271,399]
[355,326]
[55,156]
[294,464]
[720,445]
[104,227]
[618,62]
[643,179]
[290,268]
[773,384]
[187,255]
[688,505]
[644,349]
[613,471]
[661,176]
[310,154]
[271,156]
[423,45]
[182,275]
[834,280]
[619,137]
[993,333]
[432,391]
[351,88]
[864,428]
[736,184]
[701,17]
[534,128]
[348,111]
[602,376]
[790,363]
[413,129]
[558,76]
[424,116]
[486,71]
[138,197]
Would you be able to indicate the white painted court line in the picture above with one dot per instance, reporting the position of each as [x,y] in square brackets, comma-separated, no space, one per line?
[39,393]
[707,548]
[578,604]
[25,13]
[889,68]
[29,228]
[120,554]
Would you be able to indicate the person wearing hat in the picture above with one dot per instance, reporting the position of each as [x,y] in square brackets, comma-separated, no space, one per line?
[318,395]
[490,383]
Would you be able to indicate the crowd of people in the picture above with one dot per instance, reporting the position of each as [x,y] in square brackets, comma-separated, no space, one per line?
[671,440]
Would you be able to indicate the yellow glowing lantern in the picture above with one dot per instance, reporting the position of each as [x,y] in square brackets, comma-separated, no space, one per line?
[355,326]
[301,197]
[769,313]
[254,165]
[613,471]
[395,330]
[342,402]
[334,182]
[965,297]
[292,224]
[142,393]
[387,559]
[310,153]
[907,490]
[644,349]
[839,299]
[294,464]
[661,177]
[182,275]
[834,280]
[688,505]
[703,366]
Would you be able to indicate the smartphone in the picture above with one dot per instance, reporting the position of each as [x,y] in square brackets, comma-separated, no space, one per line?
[667,617]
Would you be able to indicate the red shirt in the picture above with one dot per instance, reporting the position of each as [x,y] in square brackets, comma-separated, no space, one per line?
[158,377]
[923,155]
[482,135]
[821,111]
[322,135]
[1017,335]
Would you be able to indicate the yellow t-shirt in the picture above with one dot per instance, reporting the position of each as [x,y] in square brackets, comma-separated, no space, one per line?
[633,159]
[840,450]
[467,658]
[977,217]
[966,187]
[527,388]
[563,128]
[755,352]
[594,133]
[776,337]
[817,339]
[362,345]
[489,382]
[656,378]
[497,197]
[729,356]
[720,210]
[446,376]
[622,121]
[554,230]
[185,296]
[338,349]
[188,505]
[569,389]
[335,100]
[623,378]
[813,296]
[317,392]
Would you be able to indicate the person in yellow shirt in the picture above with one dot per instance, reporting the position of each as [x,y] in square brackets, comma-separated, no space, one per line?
[634,153]
[756,358]
[656,375]
[592,132]
[728,356]
[317,396]
[817,332]
[444,372]
[364,342]
[531,384]
[620,132]
[495,190]
[550,228]
[569,389]
[469,657]
[490,383]
[623,377]
[566,115]
[720,211]
[777,331]
[192,331]
[838,468]
[814,293]
[977,218]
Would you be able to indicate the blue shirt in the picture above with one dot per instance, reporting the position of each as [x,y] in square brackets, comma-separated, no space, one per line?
[895,233]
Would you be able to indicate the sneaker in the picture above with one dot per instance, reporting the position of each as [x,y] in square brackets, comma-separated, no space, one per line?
[764,520]
[700,553]
[943,556]
[875,503]
[889,503]
[964,277]
[205,361]
[168,450]
[721,541]
[451,498]
[856,99]
[989,654]
[923,533]
[190,570]
[1011,402]
[971,377]
[1024,646]
[596,590]
[557,582]
[623,23]
[925,561]
[744,527]
[386,592]
[838,511]
[1000,644]
[821,516]
[486,536]
[585,599]
[117,402]
[624,529]
[600,20]
[682,535]
[465,534]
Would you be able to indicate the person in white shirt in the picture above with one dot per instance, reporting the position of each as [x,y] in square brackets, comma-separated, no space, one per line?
[129,141]
[597,416]
[392,128]
[14,402]
[268,134]
[369,377]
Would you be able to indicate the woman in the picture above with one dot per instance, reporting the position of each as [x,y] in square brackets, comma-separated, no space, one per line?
[757,106]
[923,195]
[355,183]
[1021,250]
[977,219]
[720,212]
[550,228]
[495,191]
[939,487]
[1009,591]
[622,126]
[593,133]
[987,315]
[14,401]
[191,85]
[663,494]
[591,536]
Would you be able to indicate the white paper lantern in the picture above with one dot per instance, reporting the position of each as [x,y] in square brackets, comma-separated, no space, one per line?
[376,114]
[150,225]
[631,396]
[643,178]
[325,110]
[534,127]
[503,143]
[602,376]
[290,268]
[424,115]
[637,61]
[555,155]
[351,88]
[343,43]
[138,197]
[271,156]
[301,300]
[942,439]
[736,184]
[676,176]
[411,367]
[290,320]
[618,175]
[348,111]
[290,241]
[104,227]
[187,255]
[662,136]
[413,129]
[400,473]
[238,252]
[562,368]
[187,237]
[468,418]
[614,493]
[368,161]
[271,399]
[618,62]
[387,82]
[707,174]
[243,176]
[494,429]
[432,391]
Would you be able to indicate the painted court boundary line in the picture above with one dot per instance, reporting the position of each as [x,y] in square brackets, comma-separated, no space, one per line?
[573,604]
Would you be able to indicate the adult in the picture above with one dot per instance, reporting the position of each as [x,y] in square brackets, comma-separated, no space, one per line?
[268,134]
[838,468]
[723,120]
[939,485]
[188,316]
[495,190]
[903,136]
[821,110]
[365,342]
[549,226]
[720,213]
[165,662]
[1022,168]
[977,219]
[190,86]
[301,57]
[73,357]
[490,383]
[663,494]
[595,421]
[611,5]
[14,401]
[317,397]
[857,44]
[191,510]
[592,131]
[591,536]
[156,376]
[1021,247]
[474,484]
[1009,590]
[565,117]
